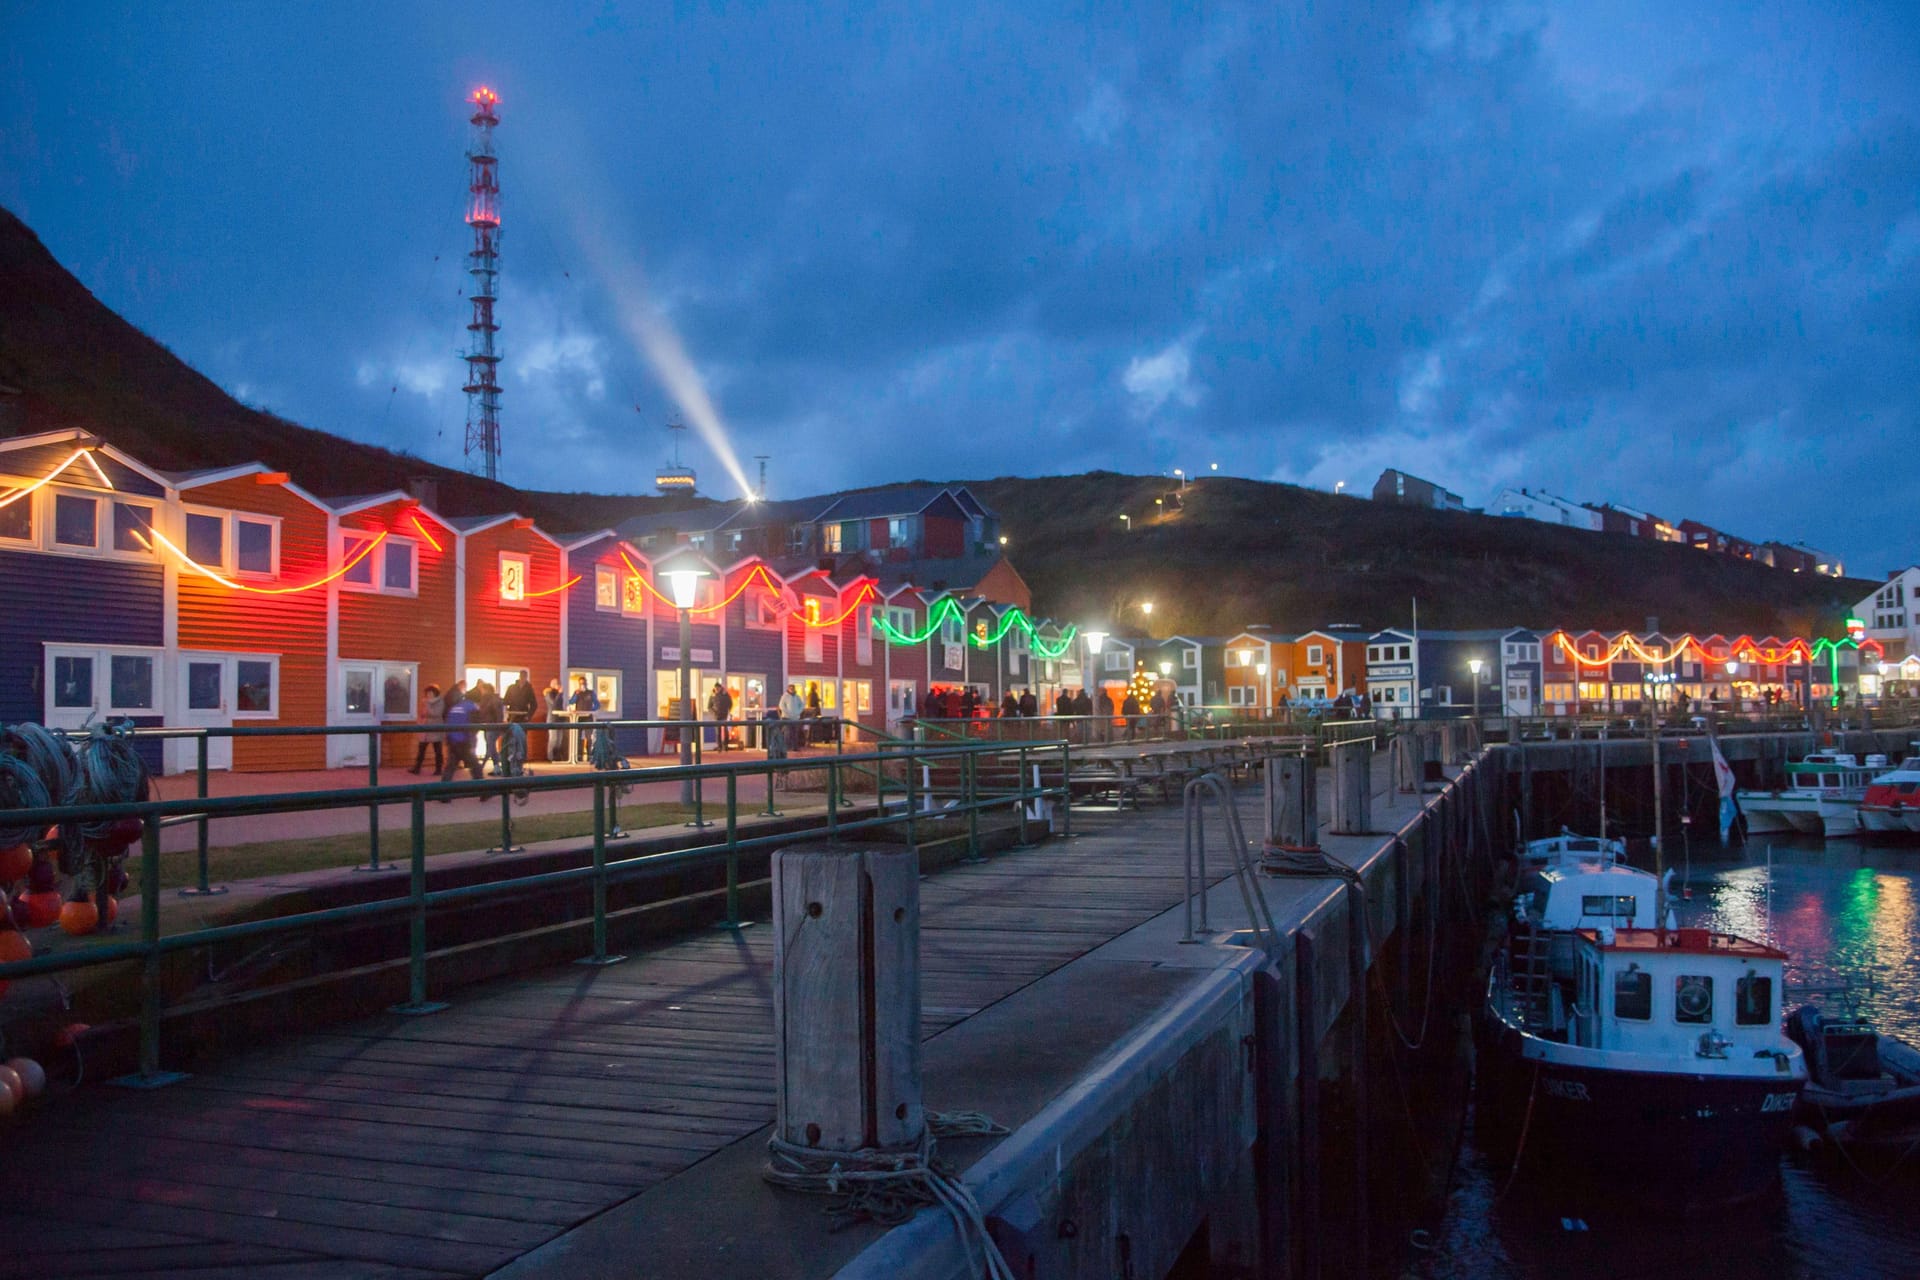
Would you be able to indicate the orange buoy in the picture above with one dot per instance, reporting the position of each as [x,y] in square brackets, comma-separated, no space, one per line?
[39,909]
[78,918]
[15,863]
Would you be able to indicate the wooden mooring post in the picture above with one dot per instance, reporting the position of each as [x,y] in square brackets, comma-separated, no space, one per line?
[846,979]
[1353,788]
[1292,803]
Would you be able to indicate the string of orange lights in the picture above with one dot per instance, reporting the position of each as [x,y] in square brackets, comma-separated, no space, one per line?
[553,591]
[213,574]
[1741,649]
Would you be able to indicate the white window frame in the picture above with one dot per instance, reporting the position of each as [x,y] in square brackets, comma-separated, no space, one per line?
[375,560]
[609,708]
[525,564]
[1316,655]
[102,656]
[413,579]
[233,673]
[953,629]
[188,512]
[863,635]
[763,611]
[830,538]
[378,692]
[273,543]
[607,589]
[1117,660]
[1189,659]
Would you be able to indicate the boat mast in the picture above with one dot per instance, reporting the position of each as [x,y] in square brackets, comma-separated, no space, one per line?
[1602,750]
[1653,740]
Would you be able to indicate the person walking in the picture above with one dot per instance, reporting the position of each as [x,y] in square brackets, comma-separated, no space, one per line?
[461,712]
[1130,709]
[1029,705]
[520,702]
[486,701]
[1009,707]
[969,703]
[433,710]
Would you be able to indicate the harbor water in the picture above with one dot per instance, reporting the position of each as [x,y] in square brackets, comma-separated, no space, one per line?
[1845,914]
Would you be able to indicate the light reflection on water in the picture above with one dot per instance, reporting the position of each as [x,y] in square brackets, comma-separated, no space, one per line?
[1844,913]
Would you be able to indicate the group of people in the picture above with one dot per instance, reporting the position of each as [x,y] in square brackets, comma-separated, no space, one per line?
[458,747]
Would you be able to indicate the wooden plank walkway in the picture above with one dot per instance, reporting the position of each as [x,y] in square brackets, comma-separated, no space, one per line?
[409,1148]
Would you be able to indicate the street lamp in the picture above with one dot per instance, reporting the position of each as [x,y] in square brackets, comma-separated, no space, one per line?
[1266,691]
[1127,520]
[1338,485]
[683,571]
[1096,641]
[1474,665]
[1146,607]
[1182,477]
[1166,667]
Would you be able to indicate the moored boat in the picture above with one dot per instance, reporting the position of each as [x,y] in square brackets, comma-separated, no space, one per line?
[1822,797]
[1891,805]
[1617,1050]
[1863,1089]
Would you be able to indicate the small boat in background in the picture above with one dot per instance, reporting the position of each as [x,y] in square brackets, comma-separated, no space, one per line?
[1891,805]
[1822,797]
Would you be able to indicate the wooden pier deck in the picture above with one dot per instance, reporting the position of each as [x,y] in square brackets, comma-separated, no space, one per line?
[450,1145]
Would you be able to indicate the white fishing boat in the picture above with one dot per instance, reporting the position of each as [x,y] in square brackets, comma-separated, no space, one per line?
[1822,797]
[1619,1050]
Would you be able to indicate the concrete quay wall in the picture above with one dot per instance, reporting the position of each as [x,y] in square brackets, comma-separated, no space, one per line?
[1286,1111]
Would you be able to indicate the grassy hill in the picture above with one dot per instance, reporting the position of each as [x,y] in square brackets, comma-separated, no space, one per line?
[1232,552]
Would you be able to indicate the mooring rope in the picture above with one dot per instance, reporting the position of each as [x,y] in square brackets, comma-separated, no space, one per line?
[889,1187]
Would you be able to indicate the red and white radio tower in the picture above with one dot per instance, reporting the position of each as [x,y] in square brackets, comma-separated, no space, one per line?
[483,215]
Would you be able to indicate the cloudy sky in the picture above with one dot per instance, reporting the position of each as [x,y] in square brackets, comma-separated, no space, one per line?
[1662,254]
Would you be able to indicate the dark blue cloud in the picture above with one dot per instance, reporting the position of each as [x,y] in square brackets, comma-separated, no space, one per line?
[1661,255]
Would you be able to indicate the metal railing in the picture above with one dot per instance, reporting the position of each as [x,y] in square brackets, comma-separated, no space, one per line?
[1097,730]
[375,735]
[916,764]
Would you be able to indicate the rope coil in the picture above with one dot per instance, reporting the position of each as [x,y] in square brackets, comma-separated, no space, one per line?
[890,1186]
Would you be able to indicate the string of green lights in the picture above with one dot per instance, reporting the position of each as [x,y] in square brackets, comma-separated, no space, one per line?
[950,608]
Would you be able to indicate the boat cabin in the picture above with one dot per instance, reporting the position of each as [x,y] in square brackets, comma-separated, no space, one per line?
[1585,894]
[1679,994]
[1569,849]
[1836,774]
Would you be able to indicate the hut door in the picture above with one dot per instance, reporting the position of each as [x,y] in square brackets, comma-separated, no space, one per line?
[206,702]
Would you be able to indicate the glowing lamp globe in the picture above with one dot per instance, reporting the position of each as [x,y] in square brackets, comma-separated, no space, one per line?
[1166,668]
[1260,667]
[683,572]
[1733,668]
[1096,641]
[1475,665]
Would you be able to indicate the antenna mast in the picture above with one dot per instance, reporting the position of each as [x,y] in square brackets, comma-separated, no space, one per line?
[483,215]
[762,458]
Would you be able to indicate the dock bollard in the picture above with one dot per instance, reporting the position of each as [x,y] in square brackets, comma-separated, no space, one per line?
[1293,809]
[846,979]
[1353,788]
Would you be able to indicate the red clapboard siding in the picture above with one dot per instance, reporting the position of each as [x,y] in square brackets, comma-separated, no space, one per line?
[294,626]
[514,635]
[387,628]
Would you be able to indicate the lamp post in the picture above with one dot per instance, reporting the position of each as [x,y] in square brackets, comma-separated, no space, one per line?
[1474,665]
[1181,476]
[683,572]
[1266,690]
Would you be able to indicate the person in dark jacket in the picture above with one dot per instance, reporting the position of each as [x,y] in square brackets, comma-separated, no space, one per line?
[720,708]
[1083,705]
[487,710]
[1009,707]
[1029,705]
[461,712]
[520,703]
[583,702]
[969,703]
[1063,703]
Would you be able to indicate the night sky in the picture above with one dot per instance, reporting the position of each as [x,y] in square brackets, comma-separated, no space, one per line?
[1660,254]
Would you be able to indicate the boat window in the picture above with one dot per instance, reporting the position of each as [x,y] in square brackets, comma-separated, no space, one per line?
[1693,998]
[1607,904]
[1633,995]
[1753,1001]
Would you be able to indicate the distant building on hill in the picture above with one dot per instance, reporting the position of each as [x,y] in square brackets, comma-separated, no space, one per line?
[1536,504]
[1635,524]
[1412,491]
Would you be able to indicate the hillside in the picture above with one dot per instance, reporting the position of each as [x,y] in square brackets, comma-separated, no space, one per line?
[1233,552]
[78,364]
[1240,551]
